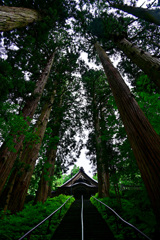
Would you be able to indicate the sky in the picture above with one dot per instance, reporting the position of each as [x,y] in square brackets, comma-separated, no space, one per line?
[82,161]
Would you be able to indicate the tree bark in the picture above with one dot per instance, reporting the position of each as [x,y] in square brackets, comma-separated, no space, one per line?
[29,156]
[104,150]
[17,17]
[117,194]
[143,139]
[7,157]
[51,184]
[149,15]
[6,194]
[103,187]
[10,189]
[105,182]
[149,65]
[43,186]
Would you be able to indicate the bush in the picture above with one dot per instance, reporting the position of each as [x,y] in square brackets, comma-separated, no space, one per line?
[16,225]
[135,210]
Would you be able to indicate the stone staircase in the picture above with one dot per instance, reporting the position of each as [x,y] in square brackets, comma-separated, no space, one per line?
[95,228]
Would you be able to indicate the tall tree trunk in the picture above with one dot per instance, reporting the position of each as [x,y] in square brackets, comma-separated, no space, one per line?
[105,182]
[9,189]
[143,139]
[17,17]
[149,15]
[51,183]
[103,175]
[29,156]
[104,150]
[6,193]
[8,157]
[117,194]
[43,186]
[103,190]
[149,65]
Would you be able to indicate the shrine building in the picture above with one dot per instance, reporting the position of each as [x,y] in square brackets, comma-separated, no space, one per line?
[79,184]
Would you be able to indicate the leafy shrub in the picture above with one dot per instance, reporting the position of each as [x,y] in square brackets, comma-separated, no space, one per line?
[15,226]
[135,209]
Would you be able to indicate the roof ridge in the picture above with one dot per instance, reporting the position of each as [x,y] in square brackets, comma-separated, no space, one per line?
[82,171]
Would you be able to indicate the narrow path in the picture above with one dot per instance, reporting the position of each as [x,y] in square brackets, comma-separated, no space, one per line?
[70,226]
[95,228]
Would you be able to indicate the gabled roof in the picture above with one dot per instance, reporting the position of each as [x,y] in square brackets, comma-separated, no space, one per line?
[80,178]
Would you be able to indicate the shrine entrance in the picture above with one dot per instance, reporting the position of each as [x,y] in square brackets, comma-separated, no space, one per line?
[77,193]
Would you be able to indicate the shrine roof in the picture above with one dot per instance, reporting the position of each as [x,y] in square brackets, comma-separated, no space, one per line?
[80,178]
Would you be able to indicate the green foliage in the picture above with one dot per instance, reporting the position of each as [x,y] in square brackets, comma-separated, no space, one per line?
[6,83]
[58,181]
[148,98]
[136,209]
[15,226]
[11,122]
[74,170]
[12,81]
[95,177]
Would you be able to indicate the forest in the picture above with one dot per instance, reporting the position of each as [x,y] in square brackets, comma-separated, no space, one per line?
[52,99]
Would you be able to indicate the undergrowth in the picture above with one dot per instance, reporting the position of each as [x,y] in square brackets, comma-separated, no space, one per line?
[14,226]
[135,208]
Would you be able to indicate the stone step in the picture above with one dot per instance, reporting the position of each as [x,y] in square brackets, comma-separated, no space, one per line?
[95,228]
